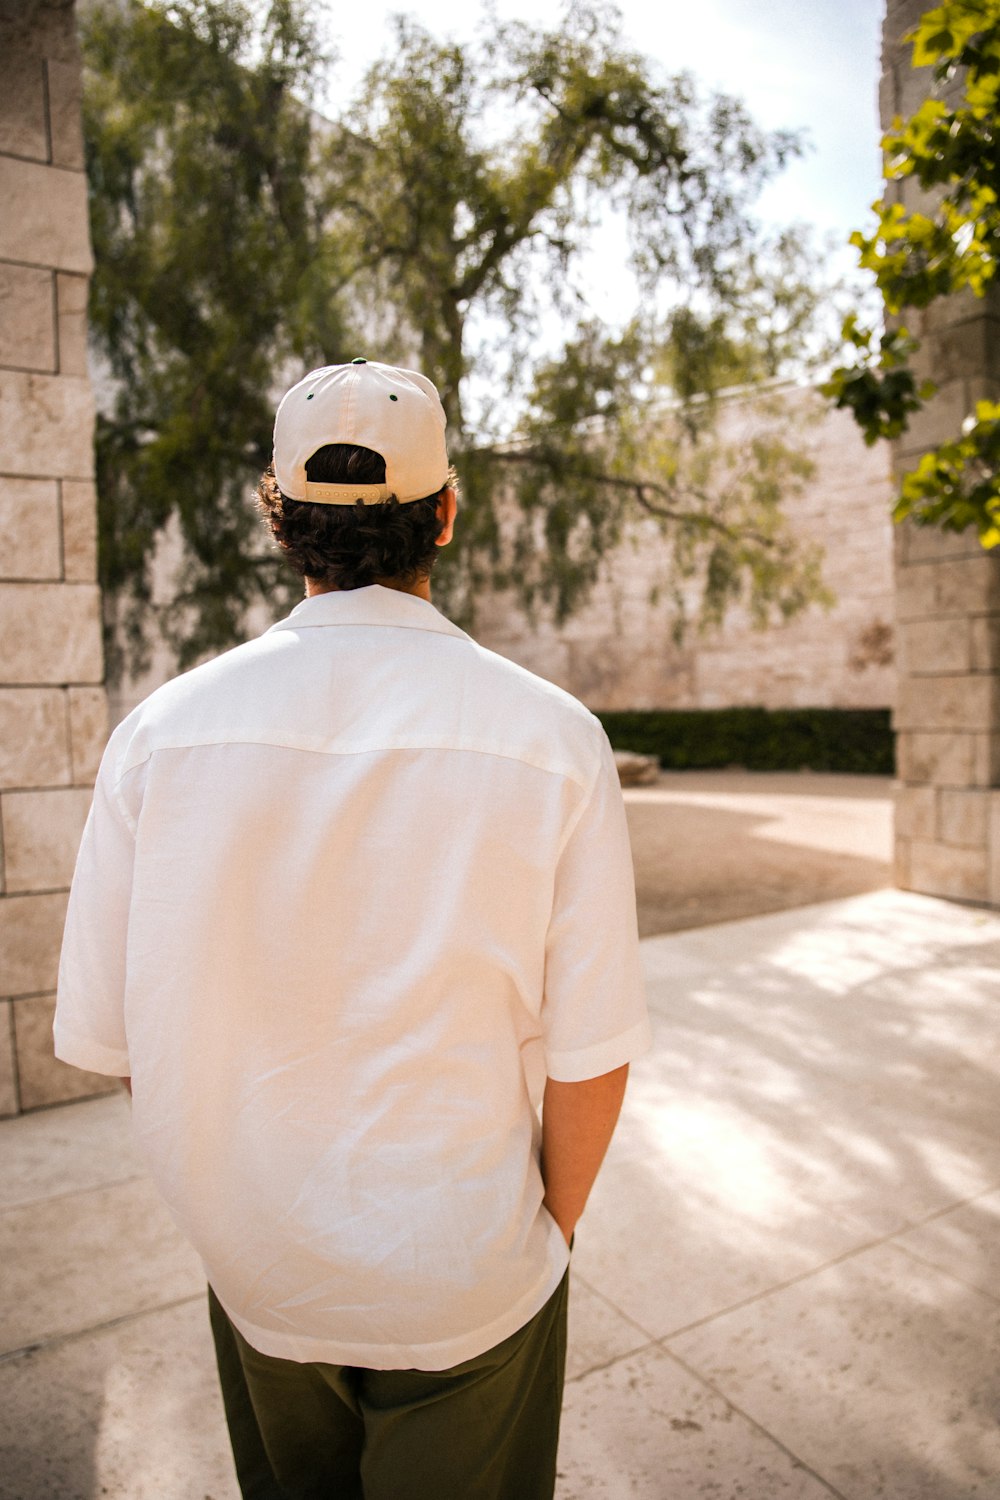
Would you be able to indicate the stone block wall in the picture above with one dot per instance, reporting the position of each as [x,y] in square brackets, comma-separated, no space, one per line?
[53,710]
[619,651]
[947,590]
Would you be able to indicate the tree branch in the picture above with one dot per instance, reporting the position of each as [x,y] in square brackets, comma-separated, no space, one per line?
[641,490]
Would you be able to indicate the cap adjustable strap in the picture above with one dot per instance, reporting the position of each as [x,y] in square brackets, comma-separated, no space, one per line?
[346,494]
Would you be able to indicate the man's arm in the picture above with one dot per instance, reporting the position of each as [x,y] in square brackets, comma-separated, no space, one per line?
[578,1121]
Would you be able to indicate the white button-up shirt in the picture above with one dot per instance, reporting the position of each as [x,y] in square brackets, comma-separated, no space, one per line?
[346,895]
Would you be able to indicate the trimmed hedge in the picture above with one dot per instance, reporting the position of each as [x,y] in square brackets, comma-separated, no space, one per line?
[859,740]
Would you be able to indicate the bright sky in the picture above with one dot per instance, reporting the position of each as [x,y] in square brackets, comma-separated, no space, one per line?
[796,63]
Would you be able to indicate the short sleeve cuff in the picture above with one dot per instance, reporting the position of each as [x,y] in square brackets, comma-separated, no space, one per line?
[602,1057]
[81,1052]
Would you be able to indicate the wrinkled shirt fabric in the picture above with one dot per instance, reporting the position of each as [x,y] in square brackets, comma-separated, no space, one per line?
[346,895]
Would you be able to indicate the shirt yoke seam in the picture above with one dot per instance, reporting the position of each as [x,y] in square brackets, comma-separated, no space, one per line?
[585,784]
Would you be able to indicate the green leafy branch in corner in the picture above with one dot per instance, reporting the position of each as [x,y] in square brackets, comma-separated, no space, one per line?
[956,485]
[880,389]
[951,148]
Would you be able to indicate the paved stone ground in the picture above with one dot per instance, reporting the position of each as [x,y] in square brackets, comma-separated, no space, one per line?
[785,1284]
[713,845]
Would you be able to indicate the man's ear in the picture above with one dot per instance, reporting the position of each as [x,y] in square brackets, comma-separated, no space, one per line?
[446,508]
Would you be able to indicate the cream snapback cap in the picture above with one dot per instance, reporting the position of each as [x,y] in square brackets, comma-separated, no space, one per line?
[396,413]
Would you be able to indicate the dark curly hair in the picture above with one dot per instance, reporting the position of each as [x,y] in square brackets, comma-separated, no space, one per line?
[351,546]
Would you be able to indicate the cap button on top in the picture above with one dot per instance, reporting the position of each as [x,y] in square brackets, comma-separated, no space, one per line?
[359,361]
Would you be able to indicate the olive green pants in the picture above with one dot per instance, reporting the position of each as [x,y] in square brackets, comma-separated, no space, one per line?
[486,1429]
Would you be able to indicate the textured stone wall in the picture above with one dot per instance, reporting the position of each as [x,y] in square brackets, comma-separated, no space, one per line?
[619,652]
[53,715]
[947,591]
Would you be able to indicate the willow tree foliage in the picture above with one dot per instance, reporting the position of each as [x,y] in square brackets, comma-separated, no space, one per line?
[951,148]
[438,220]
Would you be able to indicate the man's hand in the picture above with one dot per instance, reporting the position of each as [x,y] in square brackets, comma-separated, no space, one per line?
[578,1121]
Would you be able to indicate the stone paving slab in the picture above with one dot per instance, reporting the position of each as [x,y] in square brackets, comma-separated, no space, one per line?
[128,1412]
[647,1429]
[67,1150]
[844,1056]
[965,1242]
[784,1285]
[879,1372]
[598,1333]
[670,1254]
[74,1262]
[711,846]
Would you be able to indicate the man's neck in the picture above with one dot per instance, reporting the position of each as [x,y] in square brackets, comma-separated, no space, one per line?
[421,589]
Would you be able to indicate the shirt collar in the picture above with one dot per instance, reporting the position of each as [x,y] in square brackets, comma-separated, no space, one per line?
[373,605]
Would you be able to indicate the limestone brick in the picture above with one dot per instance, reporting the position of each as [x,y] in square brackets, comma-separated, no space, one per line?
[901,862]
[916,591]
[8,1073]
[935,646]
[30,938]
[984,641]
[994,848]
[27,331]
[941,870]
[79,530]
[43,1078]
[947,703]
[45,29]
[900,18]
[48,424]
[65,118]
[34,738]
[22,105]
[904,94]
[960,348]
[956,586]
[45,220]
[877,689]
[50,630]
[940,420]
[611,674]
[51,633]
[960,307]
[963,816]
[916,812]
[41,835]
[29,529]
[71,304]
[943,759]
[88,729]
[845,564]
[931,544]
[986,760]
[968,584]
[830,432]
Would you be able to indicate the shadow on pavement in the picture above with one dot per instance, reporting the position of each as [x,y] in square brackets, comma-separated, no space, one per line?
[713,849]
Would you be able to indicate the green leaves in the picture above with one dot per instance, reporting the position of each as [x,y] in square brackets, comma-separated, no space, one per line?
[240,239]
[207,235]
[947,32]
[955,486]
[951,150]
[880,389]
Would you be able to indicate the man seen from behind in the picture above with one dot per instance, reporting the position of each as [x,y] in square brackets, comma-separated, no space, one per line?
[354,904]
